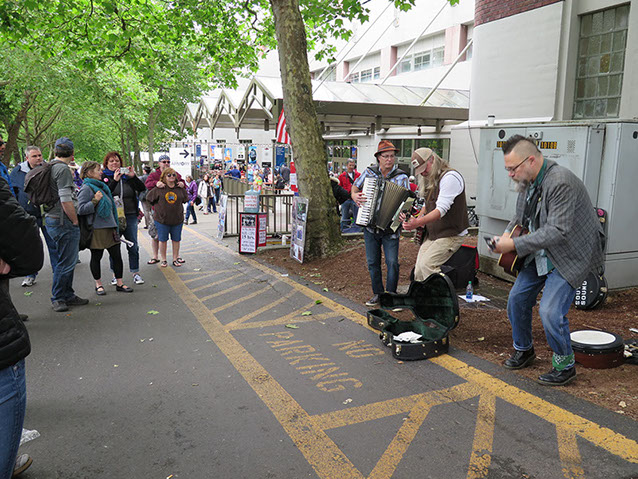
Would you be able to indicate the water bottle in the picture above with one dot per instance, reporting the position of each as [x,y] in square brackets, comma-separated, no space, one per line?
[469,292]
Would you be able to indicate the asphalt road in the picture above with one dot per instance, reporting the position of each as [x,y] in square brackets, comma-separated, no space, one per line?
[229,379]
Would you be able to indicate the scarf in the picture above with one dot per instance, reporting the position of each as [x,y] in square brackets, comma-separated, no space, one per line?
[105,207]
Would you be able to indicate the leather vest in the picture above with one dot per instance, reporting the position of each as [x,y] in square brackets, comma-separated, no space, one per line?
[455,220]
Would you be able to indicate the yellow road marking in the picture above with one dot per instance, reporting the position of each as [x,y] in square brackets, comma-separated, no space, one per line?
[286,319]
[197,278]
[227,290]
[308,432]
[319,450]
[242,299]
[215,283]
[390,459]
[248,316]
[481,456]
[569,454]
[600,436]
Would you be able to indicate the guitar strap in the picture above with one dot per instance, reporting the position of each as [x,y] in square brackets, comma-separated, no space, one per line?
[531,205]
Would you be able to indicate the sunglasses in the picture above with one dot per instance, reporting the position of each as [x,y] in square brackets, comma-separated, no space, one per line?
[165,162]
[171,175]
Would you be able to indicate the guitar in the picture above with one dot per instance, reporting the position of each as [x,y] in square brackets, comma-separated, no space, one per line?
[510,262]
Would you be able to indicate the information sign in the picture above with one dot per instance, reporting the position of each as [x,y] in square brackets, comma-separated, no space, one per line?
[298,227]
[263,228]
[221,224]
[248,232]
[181,161]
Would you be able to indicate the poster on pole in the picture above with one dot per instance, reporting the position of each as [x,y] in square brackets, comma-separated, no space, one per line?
[181,161]
[241,152]
[218,152]
[252,154]
[228,154]
[263,228]
[266,155]
[221,224]
[248,233]
[298,227]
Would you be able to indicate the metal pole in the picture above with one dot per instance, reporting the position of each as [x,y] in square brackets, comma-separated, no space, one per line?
[447,72]
[445,3]
[369,50]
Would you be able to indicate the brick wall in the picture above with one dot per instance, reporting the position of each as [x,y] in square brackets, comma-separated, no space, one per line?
[486,11]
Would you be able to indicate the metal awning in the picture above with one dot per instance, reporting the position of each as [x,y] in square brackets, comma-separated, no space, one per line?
[256,104]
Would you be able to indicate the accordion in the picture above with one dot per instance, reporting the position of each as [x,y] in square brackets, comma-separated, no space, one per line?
[385,201]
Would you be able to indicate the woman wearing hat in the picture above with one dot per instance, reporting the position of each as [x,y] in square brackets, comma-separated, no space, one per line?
[444,213]
[375,239]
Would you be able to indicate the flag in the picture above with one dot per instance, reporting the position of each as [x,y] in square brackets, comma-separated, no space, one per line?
[282,133]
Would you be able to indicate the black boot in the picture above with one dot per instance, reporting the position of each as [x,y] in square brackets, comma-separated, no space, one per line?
[520,359]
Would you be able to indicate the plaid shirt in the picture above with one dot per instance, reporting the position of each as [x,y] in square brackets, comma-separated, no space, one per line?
[569,230]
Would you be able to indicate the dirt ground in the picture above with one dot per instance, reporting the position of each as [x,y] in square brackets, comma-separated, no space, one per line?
[486,332]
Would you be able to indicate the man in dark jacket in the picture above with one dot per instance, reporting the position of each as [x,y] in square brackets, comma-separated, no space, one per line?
[21,254]
[18,174]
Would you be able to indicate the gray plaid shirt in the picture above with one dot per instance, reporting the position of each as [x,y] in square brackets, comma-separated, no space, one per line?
[569,229]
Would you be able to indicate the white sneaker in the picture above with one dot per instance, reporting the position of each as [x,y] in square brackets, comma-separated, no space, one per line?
[23,462]
[137,279]
[28,281]
[114,281]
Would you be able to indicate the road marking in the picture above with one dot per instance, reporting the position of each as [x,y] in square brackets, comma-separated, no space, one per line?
[569,454]
[242,299]
[200,275]
[230,326]
[215,283]
[481,456]
[225,291]
[307,432]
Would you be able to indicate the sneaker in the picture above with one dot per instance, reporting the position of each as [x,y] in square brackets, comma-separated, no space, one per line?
[113,282]
[23,461]
[374,301]
[28,281]
[557,378]
[137,279]
[77,301]
[520,359]
[59,306]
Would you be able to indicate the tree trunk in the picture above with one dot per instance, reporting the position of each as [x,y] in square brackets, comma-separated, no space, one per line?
[13,130]
[137,157]
[323,234]
[152,118]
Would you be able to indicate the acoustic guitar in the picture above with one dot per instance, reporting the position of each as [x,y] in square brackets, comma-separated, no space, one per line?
[511,262]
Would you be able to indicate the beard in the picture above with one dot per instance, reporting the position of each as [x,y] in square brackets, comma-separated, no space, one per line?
[521,185]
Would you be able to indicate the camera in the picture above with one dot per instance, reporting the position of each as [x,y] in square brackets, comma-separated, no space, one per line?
[125,170]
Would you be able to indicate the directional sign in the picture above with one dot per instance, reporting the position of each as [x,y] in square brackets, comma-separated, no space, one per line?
[181,161]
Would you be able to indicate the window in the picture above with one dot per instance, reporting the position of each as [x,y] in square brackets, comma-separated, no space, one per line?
[468,53]
[601,57]
[437,56]
[406,64]
[377,73]
[366,75]
[422,60]
[245,142]
[354,78]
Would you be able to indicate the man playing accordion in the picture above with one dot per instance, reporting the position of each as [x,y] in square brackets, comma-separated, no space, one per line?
[375,238]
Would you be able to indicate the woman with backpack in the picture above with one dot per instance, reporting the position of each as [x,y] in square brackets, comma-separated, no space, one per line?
[95,201]
[123,182]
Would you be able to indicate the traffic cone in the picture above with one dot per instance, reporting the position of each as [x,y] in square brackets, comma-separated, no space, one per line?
[293,178]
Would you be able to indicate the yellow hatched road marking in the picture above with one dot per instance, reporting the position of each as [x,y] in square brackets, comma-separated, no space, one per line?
[295,318]
[225,291]
[215,283]
[203,275]
[242,299]
[230,326]
[329,461]
[569,454]
[481,456]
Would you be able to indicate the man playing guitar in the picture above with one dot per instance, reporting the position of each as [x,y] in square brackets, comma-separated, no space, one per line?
[562,247]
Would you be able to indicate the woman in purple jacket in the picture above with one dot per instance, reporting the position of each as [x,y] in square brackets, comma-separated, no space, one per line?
[191,189]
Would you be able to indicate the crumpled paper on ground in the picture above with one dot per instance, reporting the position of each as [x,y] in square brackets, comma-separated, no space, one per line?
[28,435]
[409,337]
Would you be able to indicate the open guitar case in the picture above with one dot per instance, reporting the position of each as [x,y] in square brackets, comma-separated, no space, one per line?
[436,312]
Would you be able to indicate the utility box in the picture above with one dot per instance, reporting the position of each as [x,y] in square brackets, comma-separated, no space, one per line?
[604,155]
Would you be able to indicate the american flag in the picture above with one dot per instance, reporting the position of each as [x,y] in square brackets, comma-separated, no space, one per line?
[282,133]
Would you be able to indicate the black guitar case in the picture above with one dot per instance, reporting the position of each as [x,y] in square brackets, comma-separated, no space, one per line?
[436,311]
[593,292]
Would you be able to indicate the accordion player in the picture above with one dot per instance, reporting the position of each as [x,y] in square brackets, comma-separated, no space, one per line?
[385,201]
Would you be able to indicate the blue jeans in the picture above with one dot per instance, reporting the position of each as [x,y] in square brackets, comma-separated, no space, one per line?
[67,238]
[190,210]
[13,403]
[130,233]
[557,298]
[53,255]
[390,244]
[211,202]
[348,209]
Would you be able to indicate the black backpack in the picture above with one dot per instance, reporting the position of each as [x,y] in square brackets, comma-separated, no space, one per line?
[37,185]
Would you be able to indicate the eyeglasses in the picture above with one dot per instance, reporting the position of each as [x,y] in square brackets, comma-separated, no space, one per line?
[388,157]
[512,169]
[171,175]
[167,162]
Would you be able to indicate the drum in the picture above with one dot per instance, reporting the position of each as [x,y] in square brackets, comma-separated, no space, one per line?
[598,349]
[592,292]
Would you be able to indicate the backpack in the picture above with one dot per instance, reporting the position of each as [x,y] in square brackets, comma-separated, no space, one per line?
[37,185]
